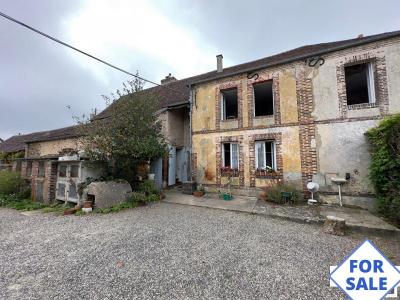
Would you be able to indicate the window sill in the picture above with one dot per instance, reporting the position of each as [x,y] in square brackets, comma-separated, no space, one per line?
[265,175]
[229,120]
[362,106]
[263,117]
[230,173]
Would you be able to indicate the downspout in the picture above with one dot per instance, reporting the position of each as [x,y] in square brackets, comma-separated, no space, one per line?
[190,130]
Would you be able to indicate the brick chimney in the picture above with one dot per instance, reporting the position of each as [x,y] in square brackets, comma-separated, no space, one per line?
[219,63]
[169,78]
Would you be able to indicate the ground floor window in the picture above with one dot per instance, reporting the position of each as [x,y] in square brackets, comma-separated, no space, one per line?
[230,157]
[265,156]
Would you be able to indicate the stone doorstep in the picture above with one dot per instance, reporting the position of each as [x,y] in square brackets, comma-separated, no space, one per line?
[357,220]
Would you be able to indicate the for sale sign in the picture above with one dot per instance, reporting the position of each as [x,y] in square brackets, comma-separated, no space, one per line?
[366,274]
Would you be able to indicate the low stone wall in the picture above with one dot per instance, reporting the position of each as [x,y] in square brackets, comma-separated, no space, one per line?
[357,201]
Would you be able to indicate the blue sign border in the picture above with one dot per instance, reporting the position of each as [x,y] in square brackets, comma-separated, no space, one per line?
[351,253]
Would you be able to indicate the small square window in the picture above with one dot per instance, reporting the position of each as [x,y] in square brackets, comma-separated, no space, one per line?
[360,85]
[265,155]
[263,99]
[62,170]
[74,172]
[229,104]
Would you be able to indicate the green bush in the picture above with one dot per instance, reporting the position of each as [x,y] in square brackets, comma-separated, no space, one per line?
[148,187]
[10,182]
[153,198]
[136,197]
[385,166]
[274,193]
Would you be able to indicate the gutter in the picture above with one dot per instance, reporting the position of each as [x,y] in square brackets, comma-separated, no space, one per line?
[301,57]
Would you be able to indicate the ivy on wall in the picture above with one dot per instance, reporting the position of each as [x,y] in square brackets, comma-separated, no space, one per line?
[385,166]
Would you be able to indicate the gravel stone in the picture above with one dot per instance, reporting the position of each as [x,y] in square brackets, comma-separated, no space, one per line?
[165,251]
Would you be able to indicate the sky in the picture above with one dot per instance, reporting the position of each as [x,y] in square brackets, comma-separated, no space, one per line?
[43,84]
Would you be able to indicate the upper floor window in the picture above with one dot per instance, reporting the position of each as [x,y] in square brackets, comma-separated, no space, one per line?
[230,156]
[263,99]
[265,155]
[229,104]
[360,85]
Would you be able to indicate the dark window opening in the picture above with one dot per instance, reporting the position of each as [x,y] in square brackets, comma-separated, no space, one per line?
[18,167]
[359,84]
[263,99]
[227,155]
[41,169]
[229,104]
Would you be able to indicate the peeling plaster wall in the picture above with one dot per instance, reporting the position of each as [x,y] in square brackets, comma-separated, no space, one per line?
[40,149]
[176,127]
[335,131]
[342,148]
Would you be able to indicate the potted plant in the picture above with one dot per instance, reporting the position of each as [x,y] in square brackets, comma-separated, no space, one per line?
[199,192]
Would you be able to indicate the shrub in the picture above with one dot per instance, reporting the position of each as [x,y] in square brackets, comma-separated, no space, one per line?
[10,182]
[274,193]
[148,187]
[13,201]
[136,197]
[385,166]
[153,198]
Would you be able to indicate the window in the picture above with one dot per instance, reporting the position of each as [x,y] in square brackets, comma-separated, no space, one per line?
[265,155]
[18,167]
[62,171]
[229,104]
[263,99]
[41,169]
[74,172]
[360,86]
[230,157]
[28,168]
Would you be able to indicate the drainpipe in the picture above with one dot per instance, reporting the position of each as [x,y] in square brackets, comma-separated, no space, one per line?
[190,129]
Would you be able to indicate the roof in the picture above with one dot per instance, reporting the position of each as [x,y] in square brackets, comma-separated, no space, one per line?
[17,142]
[178,92]
[296,54]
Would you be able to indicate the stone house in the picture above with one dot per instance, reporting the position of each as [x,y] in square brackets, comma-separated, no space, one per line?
[298,116]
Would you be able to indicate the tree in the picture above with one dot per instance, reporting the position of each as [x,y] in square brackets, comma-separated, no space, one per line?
[127,134]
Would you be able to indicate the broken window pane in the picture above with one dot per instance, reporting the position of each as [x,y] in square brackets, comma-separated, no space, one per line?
[360,84]
[263,99]
[229,107]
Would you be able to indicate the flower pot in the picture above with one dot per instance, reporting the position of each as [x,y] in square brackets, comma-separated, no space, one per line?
[198,193]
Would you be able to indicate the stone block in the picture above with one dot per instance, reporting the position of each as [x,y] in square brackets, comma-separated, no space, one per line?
[334,225]
[107,194]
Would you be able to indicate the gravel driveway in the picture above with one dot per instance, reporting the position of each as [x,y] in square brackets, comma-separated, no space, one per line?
[165,251]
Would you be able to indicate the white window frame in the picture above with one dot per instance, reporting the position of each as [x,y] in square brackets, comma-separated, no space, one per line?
[231,156]
[273,101]
[371,83]
[265,154]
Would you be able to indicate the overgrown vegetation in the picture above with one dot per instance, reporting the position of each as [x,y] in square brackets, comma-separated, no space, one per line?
[274,193]
[11,183]
[13,201]
[9,157]
[128,135]
[385,166]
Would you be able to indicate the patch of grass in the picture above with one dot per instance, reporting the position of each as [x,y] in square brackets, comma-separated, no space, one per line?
[116,208]
[55,208]
[12,201]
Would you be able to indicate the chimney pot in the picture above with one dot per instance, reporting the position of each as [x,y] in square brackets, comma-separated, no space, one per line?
[219,63]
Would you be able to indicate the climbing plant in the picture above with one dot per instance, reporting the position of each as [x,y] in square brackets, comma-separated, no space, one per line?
[385,166]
